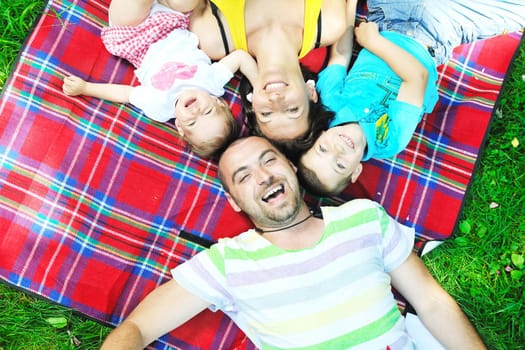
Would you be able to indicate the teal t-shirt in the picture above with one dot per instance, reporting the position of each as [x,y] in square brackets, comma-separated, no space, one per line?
[367,95]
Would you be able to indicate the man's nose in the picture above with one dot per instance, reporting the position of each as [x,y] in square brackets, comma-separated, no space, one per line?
[263,176]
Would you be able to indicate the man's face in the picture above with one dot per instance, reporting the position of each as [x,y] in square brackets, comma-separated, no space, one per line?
[336,155]
[261,182]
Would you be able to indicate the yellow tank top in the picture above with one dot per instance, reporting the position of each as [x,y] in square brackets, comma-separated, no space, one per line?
[233,10]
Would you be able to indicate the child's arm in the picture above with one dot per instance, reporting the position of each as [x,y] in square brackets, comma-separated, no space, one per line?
[184,5]
[341,51]
[74,86]
[406,66]
[133,12]
[241,60]
[129,13]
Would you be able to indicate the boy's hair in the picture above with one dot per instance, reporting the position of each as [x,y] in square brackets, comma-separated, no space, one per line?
[213,147]
[319,118]
[311,183]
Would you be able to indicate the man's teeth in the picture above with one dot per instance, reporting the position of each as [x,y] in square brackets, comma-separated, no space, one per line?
[273,192]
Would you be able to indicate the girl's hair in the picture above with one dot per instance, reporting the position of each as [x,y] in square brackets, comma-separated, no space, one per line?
[319,118]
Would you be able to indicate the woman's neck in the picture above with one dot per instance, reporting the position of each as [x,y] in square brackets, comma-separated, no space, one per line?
[275,44]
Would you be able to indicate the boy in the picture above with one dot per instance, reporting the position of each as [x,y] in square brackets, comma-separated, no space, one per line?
[378,106]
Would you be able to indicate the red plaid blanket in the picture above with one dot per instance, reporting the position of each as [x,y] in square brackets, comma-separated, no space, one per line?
[97,202]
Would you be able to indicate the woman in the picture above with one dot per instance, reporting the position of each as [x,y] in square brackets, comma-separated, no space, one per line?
[277,33]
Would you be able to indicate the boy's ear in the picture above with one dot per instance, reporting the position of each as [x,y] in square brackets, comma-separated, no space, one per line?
[356,173]
[232,202]
[312,92]
[292,165]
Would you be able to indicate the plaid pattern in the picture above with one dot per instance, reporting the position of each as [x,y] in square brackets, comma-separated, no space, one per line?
[132,42]
[98,202]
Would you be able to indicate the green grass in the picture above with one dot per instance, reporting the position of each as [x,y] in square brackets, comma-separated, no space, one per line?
[482,267]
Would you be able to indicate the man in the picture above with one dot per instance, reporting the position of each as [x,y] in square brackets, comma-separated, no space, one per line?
[298,281]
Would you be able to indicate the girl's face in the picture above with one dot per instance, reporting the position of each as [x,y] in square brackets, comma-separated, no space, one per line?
[281,104]
[200,116]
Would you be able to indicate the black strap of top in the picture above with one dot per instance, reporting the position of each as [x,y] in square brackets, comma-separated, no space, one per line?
[215,12]
[319,26]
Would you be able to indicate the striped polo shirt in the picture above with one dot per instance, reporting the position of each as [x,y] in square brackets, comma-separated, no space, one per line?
[334,295]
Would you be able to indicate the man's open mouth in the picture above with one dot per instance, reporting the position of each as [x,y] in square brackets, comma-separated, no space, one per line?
[273,193]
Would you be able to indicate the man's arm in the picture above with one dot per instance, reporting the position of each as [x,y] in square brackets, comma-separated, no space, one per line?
[436,308]
[406,66]
[241,60]
[164,309]
[74,86]
[341,51]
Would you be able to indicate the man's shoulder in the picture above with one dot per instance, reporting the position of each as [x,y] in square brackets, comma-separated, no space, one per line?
[249,237]
[352,207]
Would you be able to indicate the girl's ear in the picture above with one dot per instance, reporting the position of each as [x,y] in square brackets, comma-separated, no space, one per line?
[179,128]
[232,203]
[312,92]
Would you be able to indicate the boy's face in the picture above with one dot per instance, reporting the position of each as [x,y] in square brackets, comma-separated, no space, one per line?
[200,116]
[336,155]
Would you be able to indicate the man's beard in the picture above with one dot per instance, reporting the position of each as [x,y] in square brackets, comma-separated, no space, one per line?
[276,217]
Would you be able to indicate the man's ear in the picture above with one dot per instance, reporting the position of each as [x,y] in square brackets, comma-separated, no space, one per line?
[356,173]
[179,129]
[232,202]
[312,92]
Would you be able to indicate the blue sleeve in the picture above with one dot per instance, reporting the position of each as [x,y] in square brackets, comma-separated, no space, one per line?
[330,86]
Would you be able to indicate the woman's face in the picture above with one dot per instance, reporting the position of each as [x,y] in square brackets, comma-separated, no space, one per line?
[281,102]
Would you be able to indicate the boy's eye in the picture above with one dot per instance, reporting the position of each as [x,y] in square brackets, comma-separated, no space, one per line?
[265,114]
[322,148]
[208,112]
[293,109]
[341,166]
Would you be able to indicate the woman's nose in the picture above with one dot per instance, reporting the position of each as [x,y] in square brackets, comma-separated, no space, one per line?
[275,96]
